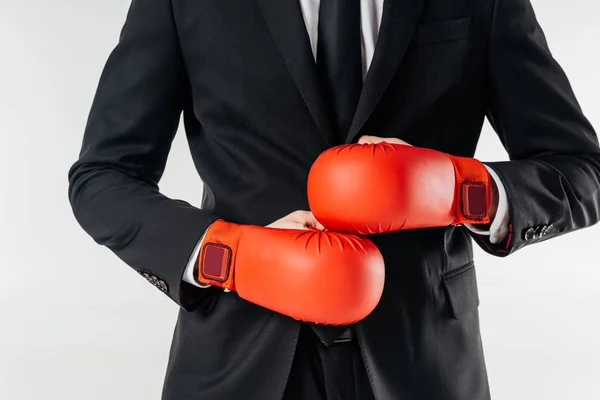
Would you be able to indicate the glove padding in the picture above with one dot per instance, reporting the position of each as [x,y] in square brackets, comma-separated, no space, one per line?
[376,188]
[314,276]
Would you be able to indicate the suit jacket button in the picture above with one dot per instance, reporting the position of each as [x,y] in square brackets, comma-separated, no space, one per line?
[529,234]
[163,286]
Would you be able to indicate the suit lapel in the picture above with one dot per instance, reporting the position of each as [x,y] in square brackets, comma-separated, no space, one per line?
[286,25]
[398,23]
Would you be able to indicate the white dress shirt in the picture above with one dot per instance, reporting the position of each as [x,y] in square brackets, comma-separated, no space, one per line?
[371,12]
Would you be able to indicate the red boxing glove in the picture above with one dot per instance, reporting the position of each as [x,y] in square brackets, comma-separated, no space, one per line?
[375,188]
[309,275]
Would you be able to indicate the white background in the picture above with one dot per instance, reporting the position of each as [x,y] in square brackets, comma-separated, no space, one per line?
[76,323]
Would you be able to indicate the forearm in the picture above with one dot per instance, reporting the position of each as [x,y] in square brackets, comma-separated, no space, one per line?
[147,230]
[560,193]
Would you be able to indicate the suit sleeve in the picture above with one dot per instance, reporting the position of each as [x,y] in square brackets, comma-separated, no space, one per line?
[552,180]
[113,186]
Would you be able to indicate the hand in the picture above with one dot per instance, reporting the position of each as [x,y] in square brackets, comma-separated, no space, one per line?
[385,187]
[297,220]
[376,139]
[293,271]
[494,203]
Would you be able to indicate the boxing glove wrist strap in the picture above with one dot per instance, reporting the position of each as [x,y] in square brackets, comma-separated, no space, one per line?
[216,262]
[473,191]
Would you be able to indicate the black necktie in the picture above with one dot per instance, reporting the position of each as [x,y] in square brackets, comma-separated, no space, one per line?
[339,58]
[339,62]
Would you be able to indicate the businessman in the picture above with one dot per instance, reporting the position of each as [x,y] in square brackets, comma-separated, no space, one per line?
[373,294]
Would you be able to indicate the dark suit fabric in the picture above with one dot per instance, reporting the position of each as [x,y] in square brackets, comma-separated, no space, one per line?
[242,74]
[320,372]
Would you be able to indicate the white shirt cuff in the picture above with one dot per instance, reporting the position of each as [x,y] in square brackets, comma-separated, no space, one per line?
[188,274]
[499,227]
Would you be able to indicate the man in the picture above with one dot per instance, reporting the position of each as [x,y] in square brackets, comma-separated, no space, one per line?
[258,112]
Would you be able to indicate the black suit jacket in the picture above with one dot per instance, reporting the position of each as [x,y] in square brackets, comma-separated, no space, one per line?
[242,73]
